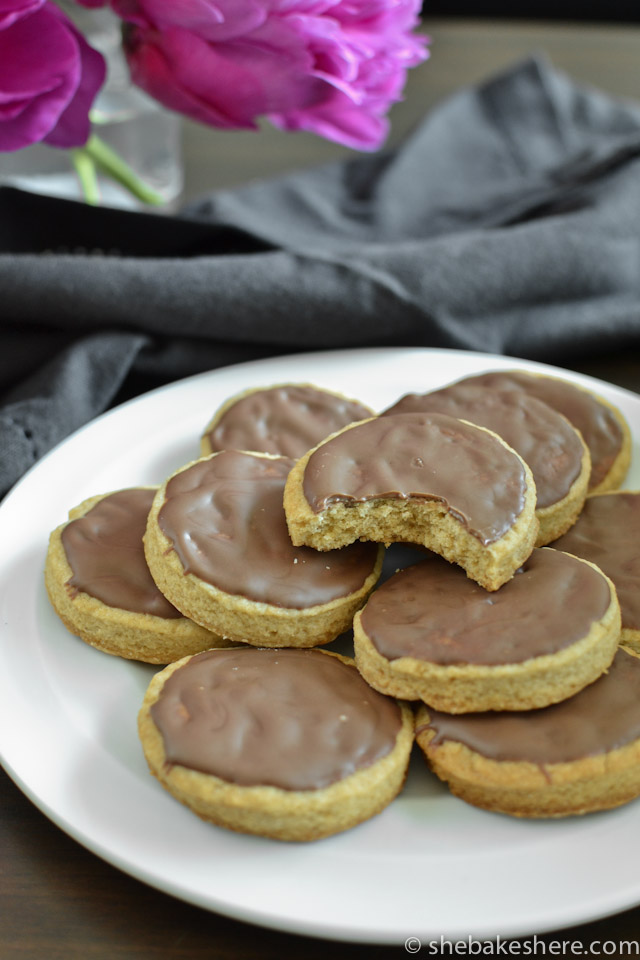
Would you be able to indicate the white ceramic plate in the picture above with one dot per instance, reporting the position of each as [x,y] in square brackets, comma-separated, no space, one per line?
[428,866]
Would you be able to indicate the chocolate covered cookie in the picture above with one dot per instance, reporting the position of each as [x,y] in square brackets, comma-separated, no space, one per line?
[429,479]
[608,534]
[289,744]
[573,757]
[601,424]
[429,633]
[101,588]
[286,420]
[546,441]
[217,545]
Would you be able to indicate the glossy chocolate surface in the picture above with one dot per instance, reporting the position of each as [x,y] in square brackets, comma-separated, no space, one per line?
[225,519]
[433,612]
[286,420]
[599,428]
[294,719]
[545,440]
[421,456]
[607,532]
[104,549]
[603,716]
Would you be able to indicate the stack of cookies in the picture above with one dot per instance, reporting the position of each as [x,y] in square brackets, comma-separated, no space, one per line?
[505,632]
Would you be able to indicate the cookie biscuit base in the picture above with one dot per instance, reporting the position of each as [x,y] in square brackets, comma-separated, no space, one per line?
[271,811]
[620,466]
[113,630]
[465,688]
[421,521]
[630,640]
[523,789]
[559,517]
[238,618]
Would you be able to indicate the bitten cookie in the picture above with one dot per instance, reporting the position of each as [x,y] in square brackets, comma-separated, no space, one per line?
[100,586]
[218,547]
[287,420]
[429,633]
[608,534]
[546,441]
[289,744]
[602,426]
[573,757]
[429,479]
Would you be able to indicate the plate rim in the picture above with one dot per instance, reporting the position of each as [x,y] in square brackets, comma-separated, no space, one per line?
[610,905]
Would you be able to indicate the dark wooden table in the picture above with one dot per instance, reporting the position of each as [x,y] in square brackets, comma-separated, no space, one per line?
[60,902]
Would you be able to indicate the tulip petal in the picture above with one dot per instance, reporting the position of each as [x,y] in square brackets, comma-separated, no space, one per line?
[73,126]
[49,82]
[12,10]
[333,67]
[225,85]
[48,78]
[156,67]
[340,120]
[215,20]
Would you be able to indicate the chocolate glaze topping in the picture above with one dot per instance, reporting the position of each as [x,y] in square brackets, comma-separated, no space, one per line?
[225,519]
[286,420]
[104,550]
[432,611]
[603,716]
[607,532]
[599,428]
[294,719]
[421,456]
[545,440]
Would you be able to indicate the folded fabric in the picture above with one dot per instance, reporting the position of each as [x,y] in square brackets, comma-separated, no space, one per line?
[508,222]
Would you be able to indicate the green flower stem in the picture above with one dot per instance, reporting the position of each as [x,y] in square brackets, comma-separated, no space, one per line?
[97,153]
[87,175]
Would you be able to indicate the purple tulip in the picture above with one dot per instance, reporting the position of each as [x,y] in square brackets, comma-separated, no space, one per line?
[49,77]
[12,10]
[332,67]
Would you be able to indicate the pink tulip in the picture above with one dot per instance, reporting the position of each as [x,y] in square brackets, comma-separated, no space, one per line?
[49,77]
[333,67]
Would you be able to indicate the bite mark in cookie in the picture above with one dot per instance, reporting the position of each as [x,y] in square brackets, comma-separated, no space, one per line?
[453,487]
[546,441]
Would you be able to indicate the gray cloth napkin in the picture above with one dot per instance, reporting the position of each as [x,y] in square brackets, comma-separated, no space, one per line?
[508,222]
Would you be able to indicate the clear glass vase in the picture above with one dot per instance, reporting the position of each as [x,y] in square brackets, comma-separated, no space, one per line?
[143,133]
